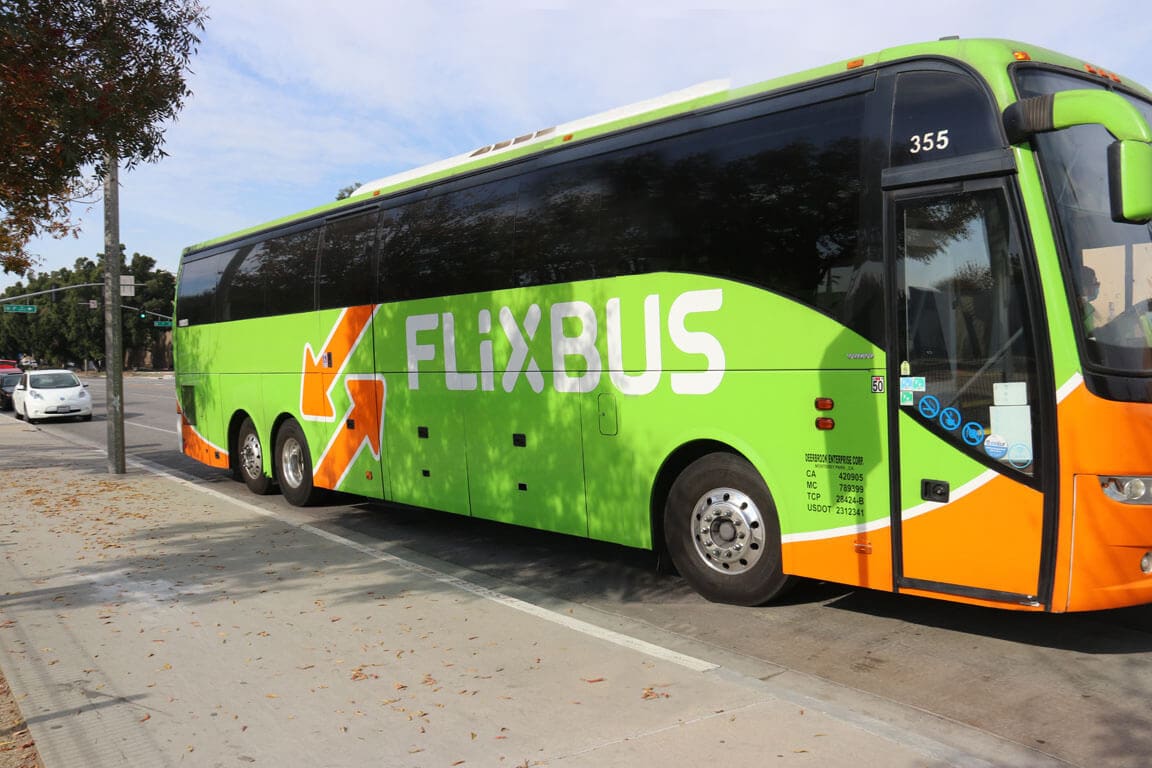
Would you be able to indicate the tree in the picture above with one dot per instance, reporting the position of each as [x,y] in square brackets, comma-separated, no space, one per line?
[80,80]
[68,327]
[346,192]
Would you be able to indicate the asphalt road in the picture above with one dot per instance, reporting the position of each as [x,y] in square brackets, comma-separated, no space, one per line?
[1073,686]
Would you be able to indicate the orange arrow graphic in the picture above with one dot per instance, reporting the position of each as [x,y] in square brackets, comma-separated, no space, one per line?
[315,402]
[362,423]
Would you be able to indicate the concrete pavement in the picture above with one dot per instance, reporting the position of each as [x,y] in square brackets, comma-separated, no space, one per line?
[148,620]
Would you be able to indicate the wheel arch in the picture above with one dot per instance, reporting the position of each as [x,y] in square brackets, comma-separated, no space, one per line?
[670,469]
[278,422]
[234,424]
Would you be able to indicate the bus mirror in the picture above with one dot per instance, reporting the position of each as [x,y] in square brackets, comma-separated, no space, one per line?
[1130,181]
[1056,111]
[1129,157]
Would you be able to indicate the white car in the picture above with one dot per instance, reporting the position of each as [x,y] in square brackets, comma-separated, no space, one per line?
[51,395]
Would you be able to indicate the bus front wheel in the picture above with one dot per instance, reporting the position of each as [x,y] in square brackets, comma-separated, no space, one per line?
[294,466]
[250,459]
[722,532]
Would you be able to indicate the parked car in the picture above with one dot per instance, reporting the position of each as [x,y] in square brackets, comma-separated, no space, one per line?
[8,382]
[51,394]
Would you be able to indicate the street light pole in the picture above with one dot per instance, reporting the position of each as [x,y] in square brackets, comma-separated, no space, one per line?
[113,324]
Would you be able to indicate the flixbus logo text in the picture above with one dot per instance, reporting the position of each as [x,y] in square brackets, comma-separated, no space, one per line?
[439,350]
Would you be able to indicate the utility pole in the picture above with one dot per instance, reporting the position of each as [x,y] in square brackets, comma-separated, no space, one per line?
[113,323]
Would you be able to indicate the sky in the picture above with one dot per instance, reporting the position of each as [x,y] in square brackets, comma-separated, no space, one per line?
[294,100]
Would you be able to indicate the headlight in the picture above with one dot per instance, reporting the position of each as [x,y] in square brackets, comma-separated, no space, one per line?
[1129,490]
[83,394]
[35,395]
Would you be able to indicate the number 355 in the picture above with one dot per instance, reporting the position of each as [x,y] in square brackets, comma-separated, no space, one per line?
[933,140]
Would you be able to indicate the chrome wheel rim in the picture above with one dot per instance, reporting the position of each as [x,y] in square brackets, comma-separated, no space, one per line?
[728,530]
[292,462]
[251,456]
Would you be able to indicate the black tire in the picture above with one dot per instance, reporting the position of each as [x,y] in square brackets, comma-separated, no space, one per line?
[250,460]
[722,531]
[294,466]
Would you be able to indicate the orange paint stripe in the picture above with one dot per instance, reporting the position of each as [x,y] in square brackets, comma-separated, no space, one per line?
[200,449]
[314,400]
[1101,540]
[361,424]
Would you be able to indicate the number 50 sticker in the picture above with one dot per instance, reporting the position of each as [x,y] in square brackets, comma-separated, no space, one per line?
[878,384]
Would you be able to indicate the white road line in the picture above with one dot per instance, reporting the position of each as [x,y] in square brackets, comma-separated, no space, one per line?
[149,426]
[578,625]
[894,726]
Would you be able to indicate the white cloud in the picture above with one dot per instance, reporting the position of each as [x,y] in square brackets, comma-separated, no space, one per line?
[293,101]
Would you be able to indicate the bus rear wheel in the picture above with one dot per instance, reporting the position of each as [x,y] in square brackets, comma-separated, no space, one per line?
[294,466]
[250,460]
[722,532]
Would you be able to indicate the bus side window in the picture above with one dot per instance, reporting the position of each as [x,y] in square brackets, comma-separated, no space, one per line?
[939,115]
[199,278]
[558,222]
[398,241]
[288,272]
[477,233]
[346,262]
[241,292]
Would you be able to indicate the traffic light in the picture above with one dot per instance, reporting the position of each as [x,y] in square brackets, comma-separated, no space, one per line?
[143,315]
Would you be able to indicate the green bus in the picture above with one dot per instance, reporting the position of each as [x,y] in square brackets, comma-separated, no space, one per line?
[883,323]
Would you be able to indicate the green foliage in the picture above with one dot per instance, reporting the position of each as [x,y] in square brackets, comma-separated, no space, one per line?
[81,80]
[67,328]
[346,192]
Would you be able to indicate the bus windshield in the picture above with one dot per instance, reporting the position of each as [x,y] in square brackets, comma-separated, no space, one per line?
[1110,267]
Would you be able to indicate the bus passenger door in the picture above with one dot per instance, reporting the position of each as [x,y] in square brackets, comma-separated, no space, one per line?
[968,513]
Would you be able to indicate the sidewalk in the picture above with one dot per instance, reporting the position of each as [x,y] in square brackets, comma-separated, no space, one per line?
[146,621]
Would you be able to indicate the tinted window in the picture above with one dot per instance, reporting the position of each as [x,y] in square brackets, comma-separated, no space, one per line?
[940,115]
[288,272]
[453,242]
[558,226]
[346,265]
[399,276]
[198,280]
[260,278]
[241,293]
[270,277]
[477,231]
[773,200]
